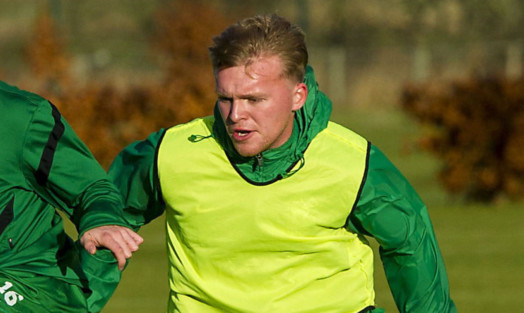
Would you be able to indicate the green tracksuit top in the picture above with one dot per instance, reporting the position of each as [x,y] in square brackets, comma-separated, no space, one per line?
[44,166]
[387,209]
[386,206]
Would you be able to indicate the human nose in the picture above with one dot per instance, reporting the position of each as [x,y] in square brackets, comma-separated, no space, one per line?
[238,111]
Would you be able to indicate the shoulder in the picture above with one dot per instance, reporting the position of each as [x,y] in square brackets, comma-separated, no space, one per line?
[14,92]
[199,127]
[341,149]
[17,100]
[189,141]
[343,138]
[185,135]
[172,137]
[18,104]
[19,109]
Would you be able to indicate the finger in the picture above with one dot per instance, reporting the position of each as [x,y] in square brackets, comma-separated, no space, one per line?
[118,243]
[88,243]
[129,240]
[90,246]
[117,249]
[136,237]
[121,261]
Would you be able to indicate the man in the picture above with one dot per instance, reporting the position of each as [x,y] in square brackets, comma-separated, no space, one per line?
[267,202]
[44,166]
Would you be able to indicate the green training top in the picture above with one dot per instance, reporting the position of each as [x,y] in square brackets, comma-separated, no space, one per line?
[387,207]
[44,166]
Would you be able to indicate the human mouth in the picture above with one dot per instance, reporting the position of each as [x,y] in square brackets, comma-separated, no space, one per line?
[241,134]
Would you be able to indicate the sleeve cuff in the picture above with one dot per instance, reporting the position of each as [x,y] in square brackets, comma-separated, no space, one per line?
[101,213]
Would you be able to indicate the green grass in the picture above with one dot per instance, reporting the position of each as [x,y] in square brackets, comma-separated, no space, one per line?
[481,245]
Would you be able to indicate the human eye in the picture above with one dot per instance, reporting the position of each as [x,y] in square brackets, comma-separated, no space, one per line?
[224,100]
[254,100]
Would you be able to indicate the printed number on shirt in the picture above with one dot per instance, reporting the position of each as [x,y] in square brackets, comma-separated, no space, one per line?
[10,297]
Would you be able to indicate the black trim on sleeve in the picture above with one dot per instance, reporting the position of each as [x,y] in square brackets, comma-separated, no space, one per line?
[364,177]
[46,161]
[156,179]
[6,217]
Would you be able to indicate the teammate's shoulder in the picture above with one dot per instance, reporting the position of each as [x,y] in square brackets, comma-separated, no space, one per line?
[14,96]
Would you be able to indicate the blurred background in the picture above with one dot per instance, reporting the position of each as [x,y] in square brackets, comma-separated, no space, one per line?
[437,85]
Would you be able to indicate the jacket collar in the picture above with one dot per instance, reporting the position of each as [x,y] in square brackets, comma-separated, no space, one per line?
[275,164]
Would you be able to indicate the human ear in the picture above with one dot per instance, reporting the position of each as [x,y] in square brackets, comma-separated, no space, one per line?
[299,96]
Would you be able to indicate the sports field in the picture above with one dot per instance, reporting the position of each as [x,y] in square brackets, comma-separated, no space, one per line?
[482,245]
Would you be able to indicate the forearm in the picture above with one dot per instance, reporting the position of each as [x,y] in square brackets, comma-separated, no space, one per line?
[101,205]
[134,174]
[416,273]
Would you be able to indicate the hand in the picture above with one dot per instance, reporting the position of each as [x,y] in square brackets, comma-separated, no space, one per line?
[122,241]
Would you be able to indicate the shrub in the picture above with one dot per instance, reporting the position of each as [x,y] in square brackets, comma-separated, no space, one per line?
[108,118]
[476,127]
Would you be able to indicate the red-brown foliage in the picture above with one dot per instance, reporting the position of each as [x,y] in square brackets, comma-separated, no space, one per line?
[108,118]
[46,57]
[477,130]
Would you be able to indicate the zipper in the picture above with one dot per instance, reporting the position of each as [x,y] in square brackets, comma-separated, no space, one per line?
[260,160]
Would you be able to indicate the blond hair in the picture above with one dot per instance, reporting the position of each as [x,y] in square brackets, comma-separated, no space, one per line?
[260,36]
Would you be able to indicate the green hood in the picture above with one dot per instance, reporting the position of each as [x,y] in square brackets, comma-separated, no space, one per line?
[276,163]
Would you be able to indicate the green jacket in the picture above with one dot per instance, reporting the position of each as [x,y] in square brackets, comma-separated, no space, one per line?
[44,166]
[387,207]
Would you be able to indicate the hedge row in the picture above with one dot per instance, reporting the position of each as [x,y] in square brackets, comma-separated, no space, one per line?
[108,117]
[476,127]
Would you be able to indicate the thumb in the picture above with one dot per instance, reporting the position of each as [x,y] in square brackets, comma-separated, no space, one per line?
[90,246]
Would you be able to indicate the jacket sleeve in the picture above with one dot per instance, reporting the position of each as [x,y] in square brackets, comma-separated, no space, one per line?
[63,170]
[134,173]
[390,211]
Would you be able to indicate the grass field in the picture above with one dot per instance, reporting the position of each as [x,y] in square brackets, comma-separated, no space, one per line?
[482,245]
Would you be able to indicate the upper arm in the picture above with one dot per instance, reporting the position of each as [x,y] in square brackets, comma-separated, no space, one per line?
[389,209]
[61,169]
[134,173]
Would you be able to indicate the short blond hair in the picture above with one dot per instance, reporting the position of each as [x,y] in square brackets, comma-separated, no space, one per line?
[259,36]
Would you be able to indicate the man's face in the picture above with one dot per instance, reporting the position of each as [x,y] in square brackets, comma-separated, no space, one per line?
[257,104]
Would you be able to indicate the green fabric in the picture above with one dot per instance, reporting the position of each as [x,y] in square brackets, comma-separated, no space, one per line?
[134,172]
[390,210]
[385,192]
[23,292]
[101,276]
[309,121]
[34,240]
